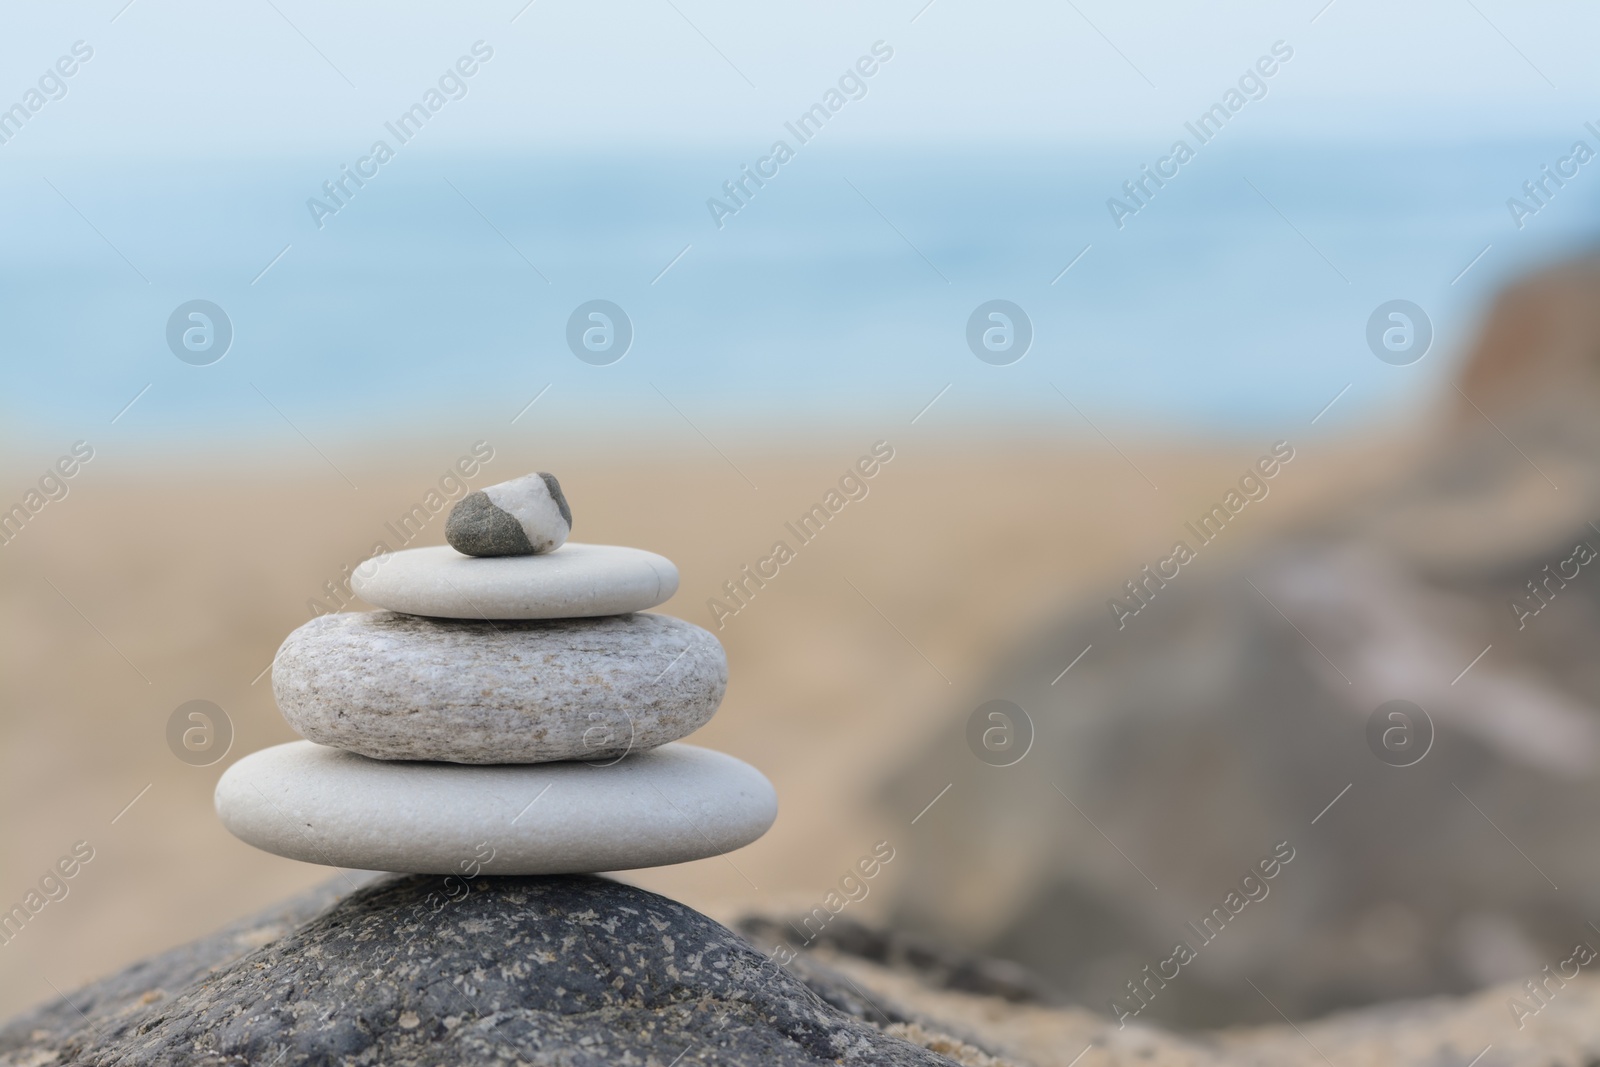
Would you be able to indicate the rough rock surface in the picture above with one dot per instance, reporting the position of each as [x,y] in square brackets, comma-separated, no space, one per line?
[398,687]
[1231,713]
[574,971]
[41,1036]
[579,971]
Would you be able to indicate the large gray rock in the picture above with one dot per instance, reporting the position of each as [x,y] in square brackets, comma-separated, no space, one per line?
[399,687]
[411,970]
[853,985]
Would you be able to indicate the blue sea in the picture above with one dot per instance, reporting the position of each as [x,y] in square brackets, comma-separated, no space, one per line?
[438,295]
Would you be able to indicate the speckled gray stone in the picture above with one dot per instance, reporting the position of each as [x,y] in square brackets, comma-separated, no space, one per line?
[522,517]
[411,971]
[399,687]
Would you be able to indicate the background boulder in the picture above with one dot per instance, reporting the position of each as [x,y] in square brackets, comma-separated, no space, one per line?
[1222,720]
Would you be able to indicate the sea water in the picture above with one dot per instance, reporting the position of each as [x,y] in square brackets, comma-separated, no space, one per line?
[439,292]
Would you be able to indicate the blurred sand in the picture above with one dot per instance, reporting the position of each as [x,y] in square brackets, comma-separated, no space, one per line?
[194,569]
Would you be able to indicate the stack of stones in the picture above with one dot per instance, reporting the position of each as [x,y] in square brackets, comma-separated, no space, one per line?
[511,710]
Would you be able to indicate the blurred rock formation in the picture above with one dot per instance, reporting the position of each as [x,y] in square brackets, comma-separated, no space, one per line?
[1231,712]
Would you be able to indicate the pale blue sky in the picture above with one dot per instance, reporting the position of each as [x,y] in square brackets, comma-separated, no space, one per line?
[183,75]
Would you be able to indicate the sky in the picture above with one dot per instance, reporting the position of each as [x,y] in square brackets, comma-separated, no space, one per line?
[267,76]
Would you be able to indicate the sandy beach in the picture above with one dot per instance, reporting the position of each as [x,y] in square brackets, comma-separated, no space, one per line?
[159,581]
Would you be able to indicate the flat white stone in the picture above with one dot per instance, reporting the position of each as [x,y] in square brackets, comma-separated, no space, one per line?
[322,805]
[574,581]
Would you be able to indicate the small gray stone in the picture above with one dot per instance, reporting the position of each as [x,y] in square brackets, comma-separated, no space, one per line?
[523,517]
[477,528]
[400,687]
